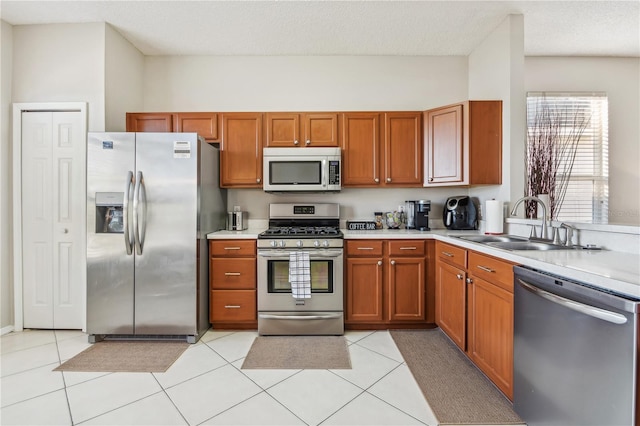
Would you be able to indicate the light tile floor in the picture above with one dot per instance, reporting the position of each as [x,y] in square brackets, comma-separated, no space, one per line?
[206,386]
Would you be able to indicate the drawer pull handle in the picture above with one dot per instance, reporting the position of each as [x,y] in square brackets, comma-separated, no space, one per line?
[408,248]
[365,248]
[232,248]
[484,268]
[233,274]
[446,253]
[232,306]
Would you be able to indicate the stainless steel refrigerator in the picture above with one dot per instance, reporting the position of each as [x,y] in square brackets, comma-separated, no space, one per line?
[151,200]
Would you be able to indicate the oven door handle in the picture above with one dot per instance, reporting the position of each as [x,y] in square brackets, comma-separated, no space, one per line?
[314,253]
[299,317]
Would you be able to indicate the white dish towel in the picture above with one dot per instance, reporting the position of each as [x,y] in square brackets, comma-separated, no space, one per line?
[300,274]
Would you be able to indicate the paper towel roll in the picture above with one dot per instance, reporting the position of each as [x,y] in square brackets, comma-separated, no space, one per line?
[493,217]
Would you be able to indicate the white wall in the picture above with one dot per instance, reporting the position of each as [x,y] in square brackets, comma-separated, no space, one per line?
[6,288]
[327,83]
[618,77]
[61,63]
[123,85]
[496,71]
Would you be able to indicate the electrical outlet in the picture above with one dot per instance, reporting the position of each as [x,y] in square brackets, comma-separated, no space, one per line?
[401,208]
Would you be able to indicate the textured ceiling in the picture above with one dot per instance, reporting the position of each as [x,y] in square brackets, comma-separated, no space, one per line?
[567,28]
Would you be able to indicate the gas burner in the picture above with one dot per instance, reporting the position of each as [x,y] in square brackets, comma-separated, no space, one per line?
[302,232]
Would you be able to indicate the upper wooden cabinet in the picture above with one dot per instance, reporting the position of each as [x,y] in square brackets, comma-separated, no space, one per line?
[149,122]
[289,129]
[241,150]
[464,144]
[395,159]
[204,124]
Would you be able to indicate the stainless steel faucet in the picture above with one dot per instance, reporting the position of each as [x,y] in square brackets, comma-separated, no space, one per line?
[544,213]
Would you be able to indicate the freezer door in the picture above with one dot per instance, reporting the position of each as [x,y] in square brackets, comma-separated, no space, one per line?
[165,219]
[110,165]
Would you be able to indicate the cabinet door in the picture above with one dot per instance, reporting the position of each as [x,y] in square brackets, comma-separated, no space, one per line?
[283,129]
[445,145]
[203,123]
[406,288]
[364,289]
[360,149]
[241,150]
[403,149]
[149,122]
[451,294]
[321,129]
[491,332]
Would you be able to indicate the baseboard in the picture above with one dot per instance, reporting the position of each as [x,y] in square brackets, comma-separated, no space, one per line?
[6,330]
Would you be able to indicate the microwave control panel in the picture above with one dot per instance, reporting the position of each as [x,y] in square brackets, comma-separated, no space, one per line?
[334,172]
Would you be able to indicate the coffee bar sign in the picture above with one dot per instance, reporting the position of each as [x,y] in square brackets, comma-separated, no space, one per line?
[360,225]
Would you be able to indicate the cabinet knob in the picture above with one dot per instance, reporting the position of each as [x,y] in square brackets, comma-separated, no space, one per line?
[393,262]
[379,262]
[376,180]
[295,142]
[469,281]
[258,180]
[459,276]
[388,179]
[308,142]
[64,231]
[430,179]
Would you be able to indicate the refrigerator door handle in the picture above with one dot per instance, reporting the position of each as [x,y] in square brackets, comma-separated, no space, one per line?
[139,211]
[128,241]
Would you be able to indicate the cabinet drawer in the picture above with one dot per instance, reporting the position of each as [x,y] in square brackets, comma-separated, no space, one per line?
[494,270]
[364,248]
[232,248]
[232,305]
[406,248]
[234,273]
[451,254]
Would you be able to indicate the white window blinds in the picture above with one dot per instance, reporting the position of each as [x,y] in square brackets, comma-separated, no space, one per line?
[583,116]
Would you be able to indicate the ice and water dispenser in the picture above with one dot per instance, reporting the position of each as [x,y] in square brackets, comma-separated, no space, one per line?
[109,219]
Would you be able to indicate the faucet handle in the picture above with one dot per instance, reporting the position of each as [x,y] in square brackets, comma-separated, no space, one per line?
[533,233]
[569,235]
[555,232]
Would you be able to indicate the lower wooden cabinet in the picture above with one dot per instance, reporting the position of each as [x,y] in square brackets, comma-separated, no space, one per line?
[385,283]
[232,284]
[474,307]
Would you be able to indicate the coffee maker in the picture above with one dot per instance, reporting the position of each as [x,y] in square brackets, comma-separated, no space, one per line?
[417,214]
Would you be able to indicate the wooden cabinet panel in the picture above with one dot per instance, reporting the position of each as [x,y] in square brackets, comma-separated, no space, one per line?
[491,333]
[321,129]
[289,129]
[241,150]
[406,247]
[283,129]
[233,305]
[233,273]
[403,148]
[452,254]
[361,149]
[407,288]
[204,124]
[451,307]
[464,144]
[364,248]
[364,289]
[149,122]
[242,248]
[496,271]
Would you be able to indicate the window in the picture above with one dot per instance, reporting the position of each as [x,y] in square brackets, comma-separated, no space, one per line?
[575,128]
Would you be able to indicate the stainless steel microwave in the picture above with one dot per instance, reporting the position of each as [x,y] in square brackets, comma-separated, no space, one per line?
[301,169]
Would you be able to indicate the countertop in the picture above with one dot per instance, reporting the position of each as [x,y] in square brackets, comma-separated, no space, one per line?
[609,270]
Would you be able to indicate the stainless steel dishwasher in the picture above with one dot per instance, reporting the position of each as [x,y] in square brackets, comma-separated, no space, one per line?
[575,352]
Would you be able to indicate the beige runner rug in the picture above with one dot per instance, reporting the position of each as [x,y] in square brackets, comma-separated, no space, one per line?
[298,352]
[457,392]
[126,356]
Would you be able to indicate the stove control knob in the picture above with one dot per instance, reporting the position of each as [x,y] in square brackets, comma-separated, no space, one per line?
[325,243]
[282,243]
[299,243]
[316,243]
[273,243]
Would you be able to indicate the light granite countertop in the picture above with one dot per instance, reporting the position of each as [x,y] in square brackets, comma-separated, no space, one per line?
[606,269]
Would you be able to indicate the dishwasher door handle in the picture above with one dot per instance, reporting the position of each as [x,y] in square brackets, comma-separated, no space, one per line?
[592,311]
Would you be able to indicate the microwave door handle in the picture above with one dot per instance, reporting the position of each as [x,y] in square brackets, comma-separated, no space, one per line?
[324,173]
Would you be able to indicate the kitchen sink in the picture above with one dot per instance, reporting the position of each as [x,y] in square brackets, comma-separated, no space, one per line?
[527,245]
[492,238]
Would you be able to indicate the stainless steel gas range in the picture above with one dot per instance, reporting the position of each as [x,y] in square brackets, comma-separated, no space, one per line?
[312,232]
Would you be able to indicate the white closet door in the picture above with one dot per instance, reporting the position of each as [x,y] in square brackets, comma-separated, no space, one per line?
[53,210]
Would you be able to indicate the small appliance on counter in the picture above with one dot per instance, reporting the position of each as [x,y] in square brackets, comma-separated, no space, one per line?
[417,214]
[237,220]
[460,212]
